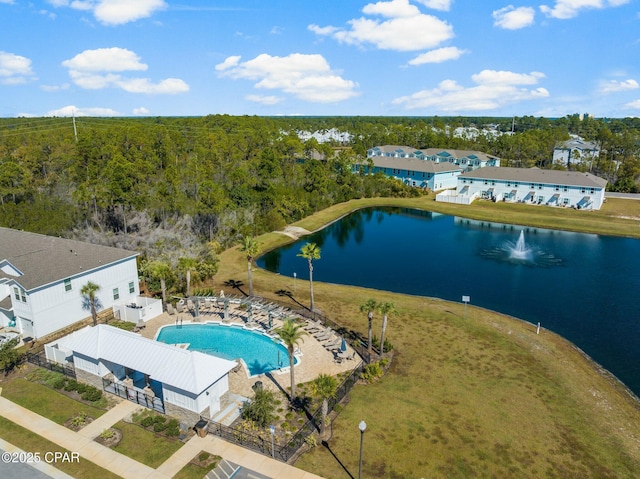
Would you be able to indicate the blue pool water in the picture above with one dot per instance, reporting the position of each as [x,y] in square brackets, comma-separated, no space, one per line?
[260,353]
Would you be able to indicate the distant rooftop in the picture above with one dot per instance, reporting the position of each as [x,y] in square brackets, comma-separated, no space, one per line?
[44,259]
[536,175]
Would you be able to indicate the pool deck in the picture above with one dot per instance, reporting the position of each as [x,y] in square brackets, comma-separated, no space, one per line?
[313,358]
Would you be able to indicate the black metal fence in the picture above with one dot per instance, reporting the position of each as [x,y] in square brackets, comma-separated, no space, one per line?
[132,394]
[40,359]
[264,443]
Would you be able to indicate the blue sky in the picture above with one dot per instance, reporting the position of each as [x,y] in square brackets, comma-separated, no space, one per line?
[319,57]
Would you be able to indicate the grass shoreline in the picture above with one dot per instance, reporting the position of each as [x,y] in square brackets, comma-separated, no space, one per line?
[571,417]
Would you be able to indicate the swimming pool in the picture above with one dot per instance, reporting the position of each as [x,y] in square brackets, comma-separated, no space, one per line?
[259,352]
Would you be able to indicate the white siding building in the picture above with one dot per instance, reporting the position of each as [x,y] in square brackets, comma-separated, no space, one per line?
[41,277]
[186,383]
[531,186]
[466,159]
[575,151]
[415,172]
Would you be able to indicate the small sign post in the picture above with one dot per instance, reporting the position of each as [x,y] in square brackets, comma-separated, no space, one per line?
[294,282]
[465,300]
[272,428]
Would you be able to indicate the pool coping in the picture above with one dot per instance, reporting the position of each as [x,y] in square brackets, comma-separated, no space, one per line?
[279,371]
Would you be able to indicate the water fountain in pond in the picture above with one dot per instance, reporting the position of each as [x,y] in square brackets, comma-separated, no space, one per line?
[520,252]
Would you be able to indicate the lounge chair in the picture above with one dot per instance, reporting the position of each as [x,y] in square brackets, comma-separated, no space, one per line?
[170,309]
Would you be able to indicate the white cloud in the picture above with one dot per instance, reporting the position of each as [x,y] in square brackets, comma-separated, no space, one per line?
[75,111]
[102,68]
[443,5]
[105,60]
[493,89]
[438,55]
[114,12]
[169,86]
[564,9]
[307,77]
[54,88]
[402,28]
[141,111]
[634,105]
[264,100]
[512,18]
[8,2]
[229,62]
[14,69]
[613,86]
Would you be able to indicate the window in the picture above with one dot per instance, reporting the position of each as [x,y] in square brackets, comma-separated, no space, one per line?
[565,188]
[583,190]
[486,182]
[508,184]
[132,288]
[116,294]
[20,294]
[515,184]
[67,285]
[565,201]
[592,190]
[557,188]
[533,185]
[540,186]
[493,183]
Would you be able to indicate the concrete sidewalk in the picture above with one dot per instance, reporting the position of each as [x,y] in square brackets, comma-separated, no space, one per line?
[82,442]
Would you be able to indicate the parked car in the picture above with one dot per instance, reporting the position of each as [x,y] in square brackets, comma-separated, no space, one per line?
[6,337]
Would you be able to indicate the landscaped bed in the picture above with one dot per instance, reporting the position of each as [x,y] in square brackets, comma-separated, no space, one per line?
[58,405]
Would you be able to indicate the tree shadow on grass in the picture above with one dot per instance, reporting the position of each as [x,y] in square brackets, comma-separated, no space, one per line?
[288,294]
[235,284]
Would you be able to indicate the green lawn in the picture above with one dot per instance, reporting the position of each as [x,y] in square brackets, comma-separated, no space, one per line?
[145,446]
[478,397]
[31,442]
[46,401]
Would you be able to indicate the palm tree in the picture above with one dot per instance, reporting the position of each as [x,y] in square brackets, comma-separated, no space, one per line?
[385,309]
[89,291]
[324,387]
[162,271]
[310,251]
[187,264]
[291,333]
[250,247]
[369,306]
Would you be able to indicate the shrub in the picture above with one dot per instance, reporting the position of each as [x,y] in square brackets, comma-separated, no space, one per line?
[159,426]
[59,382]
[107,434]
[71,385]
[311,441]
[371,372]
[92,394]
[173,428]
[79,420]
[261,408]
[147,421]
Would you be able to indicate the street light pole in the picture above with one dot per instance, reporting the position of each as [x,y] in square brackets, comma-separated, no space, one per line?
[362,426]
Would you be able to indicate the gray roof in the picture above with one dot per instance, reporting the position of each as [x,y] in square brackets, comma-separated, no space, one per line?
[414,164]
[46,259]
[536,175]
[436,152]
[576,144]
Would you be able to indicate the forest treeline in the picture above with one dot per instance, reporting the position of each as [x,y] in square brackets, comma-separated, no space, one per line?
[179,187]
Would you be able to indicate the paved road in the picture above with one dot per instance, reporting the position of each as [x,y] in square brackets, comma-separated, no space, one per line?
[626,196]
[20,471]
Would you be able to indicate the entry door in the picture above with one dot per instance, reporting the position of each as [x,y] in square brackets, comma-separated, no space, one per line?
[26,327]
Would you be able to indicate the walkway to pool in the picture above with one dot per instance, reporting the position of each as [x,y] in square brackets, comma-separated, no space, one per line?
[314,357]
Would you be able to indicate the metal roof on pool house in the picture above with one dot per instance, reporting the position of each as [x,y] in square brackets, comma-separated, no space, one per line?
[189,371]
